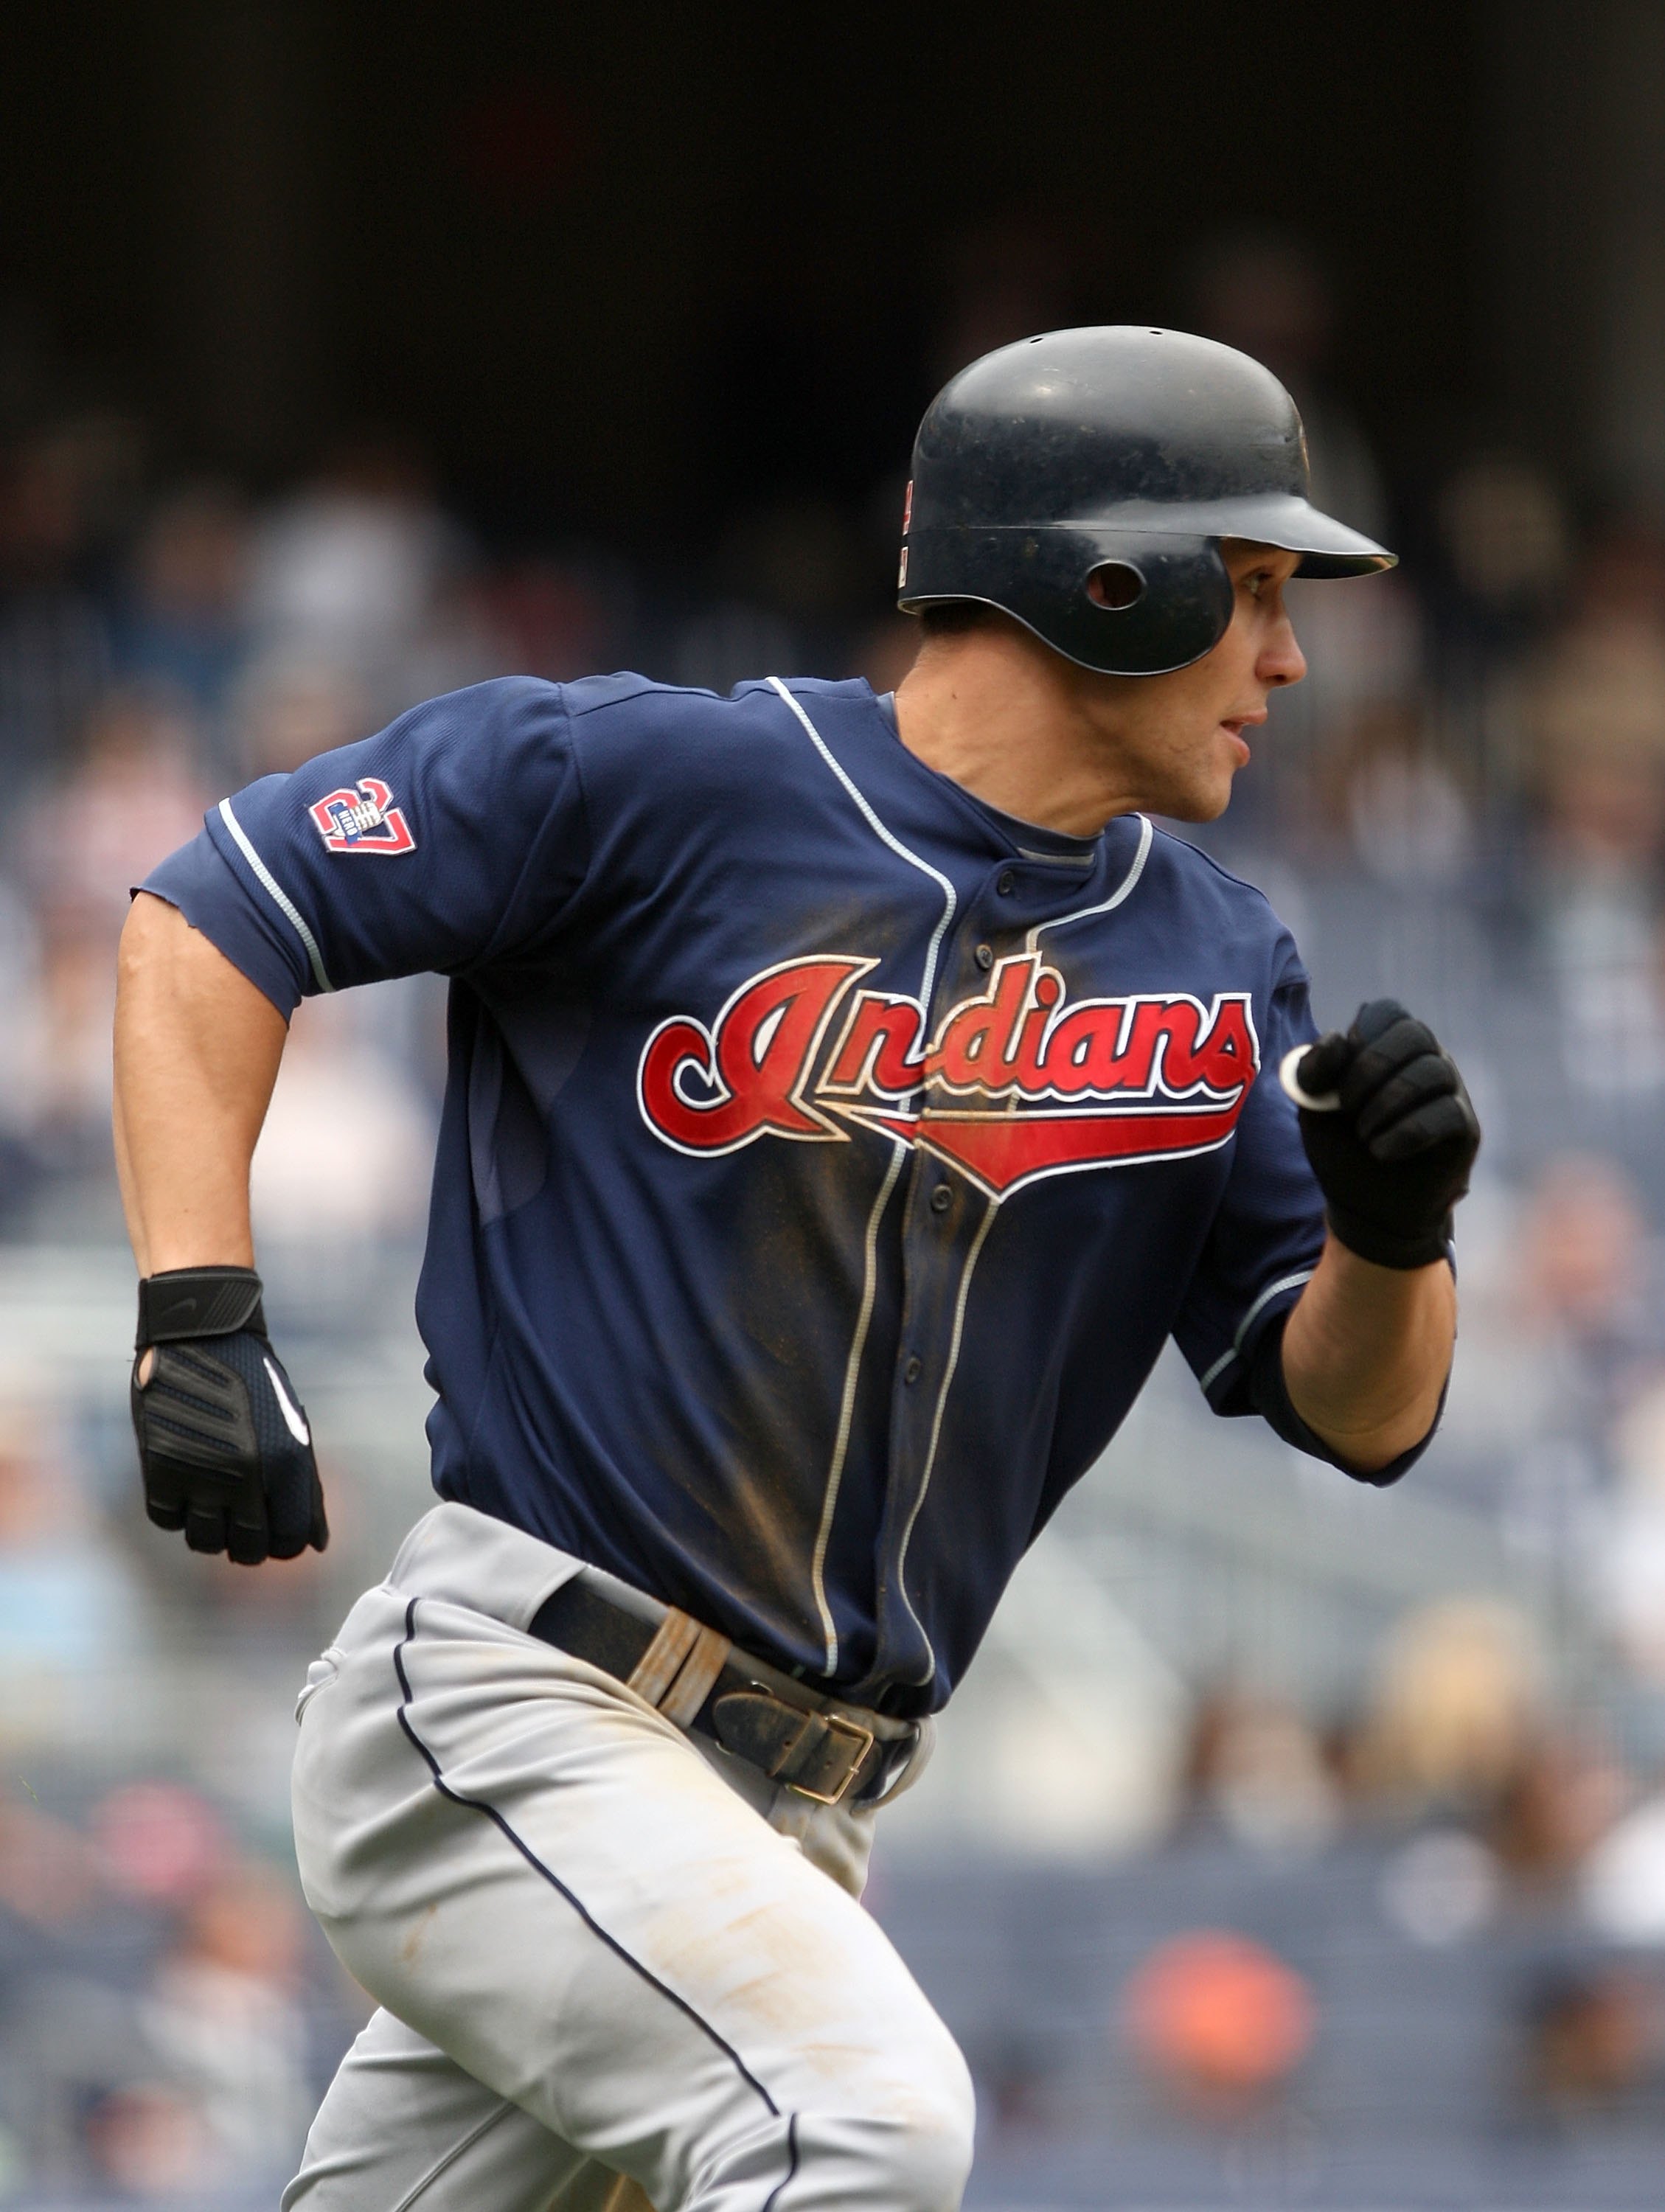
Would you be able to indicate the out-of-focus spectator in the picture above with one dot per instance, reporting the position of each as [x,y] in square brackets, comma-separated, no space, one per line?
[132,794]
[1622,1888]
[1456,1708]
[1257,1770]
[1218,2020]
[1565,1795]
[548,618]
[1506,556]
[723,645]
[1631,1573]
[223,2021]
[1592,709]
[157,1843]
[148,2142]
[179,626]
[350,569]
[342,1163]
[1586,2040]
[76,850]
[288,707]
[1441,1887]
[1585,1277]
[54,636]
[1507,536]
[50,1874]
[70,1618]
[1409,816]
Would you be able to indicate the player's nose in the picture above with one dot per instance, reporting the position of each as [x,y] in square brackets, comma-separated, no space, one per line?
[1281,660]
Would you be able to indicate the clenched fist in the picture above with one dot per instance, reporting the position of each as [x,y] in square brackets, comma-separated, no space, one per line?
[1390,1132]
[224,1447]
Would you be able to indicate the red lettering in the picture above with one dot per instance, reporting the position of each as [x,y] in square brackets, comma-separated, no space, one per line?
[1224,1058]
[976,1047]
[1174,1079]
[755,1064]
[1085,1052]
[880,1048]
[1029,1064]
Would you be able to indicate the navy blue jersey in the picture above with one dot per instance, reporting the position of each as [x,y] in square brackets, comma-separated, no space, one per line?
[825,1156]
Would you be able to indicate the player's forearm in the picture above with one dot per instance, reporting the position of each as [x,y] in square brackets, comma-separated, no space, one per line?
[1366,1352]
[196,1049]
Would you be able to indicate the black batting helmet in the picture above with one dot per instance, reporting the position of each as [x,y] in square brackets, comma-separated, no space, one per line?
[1120,449]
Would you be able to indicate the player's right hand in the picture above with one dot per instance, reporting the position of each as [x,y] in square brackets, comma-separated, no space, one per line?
[224,1446]
[1391,1133]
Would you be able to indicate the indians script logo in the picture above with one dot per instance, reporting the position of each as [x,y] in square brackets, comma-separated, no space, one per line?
[364,820]
[1015,1085]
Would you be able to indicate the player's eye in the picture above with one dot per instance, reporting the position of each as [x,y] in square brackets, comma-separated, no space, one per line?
[1257,582]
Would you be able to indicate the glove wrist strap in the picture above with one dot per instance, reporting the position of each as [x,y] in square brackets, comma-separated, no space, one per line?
[1369,1241]
[186,1301]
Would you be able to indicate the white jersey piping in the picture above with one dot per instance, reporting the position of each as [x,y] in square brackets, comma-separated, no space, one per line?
[846,1410]
[280,898]
[1085,913]
[888,837]
[1272,1290]
[859,1341]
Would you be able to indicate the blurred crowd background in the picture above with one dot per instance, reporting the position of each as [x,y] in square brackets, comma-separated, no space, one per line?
[1291,1842]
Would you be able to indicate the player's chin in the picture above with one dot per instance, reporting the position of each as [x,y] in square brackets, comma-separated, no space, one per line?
[1203,798]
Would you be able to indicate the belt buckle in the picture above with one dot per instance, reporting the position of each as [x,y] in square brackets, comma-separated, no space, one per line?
[863,1738]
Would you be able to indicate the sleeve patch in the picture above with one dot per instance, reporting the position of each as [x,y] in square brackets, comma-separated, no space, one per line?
[363,819]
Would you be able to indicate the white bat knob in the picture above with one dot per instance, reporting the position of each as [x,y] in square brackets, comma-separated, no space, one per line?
[1330,1103]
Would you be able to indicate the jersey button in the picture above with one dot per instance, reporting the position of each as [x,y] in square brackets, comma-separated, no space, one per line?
[985,956]
[939,1198]
[1007,884]
[913,1369]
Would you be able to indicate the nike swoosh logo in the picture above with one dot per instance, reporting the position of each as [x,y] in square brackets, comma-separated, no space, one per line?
[293,1419]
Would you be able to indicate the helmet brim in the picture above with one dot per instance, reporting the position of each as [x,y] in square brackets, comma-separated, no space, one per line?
[1293,525]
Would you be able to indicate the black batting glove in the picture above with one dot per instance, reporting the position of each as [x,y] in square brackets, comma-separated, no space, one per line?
[224,1447]
[1392,1155]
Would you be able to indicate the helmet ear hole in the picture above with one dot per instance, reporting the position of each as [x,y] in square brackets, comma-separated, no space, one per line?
[1115,585]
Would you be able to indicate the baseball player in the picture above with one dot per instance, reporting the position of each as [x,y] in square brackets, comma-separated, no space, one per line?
[847,1097]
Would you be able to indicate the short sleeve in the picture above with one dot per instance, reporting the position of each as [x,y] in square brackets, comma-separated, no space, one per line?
[455,837]
[1268,1232]
[1269,1394]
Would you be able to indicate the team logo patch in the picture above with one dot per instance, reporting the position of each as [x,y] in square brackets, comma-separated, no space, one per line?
[362,820]
[1017,1085]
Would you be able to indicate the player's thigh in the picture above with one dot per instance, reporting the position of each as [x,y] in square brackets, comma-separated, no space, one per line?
[556,1889]
[403,2125]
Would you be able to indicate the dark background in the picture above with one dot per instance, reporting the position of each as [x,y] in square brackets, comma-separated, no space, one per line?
[621,268]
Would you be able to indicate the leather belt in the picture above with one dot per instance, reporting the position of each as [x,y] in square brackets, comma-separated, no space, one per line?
[698,1679]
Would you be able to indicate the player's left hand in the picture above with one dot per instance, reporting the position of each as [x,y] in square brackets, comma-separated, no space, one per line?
[1391,1133]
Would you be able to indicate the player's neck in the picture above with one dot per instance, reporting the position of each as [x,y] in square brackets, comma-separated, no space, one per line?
[995,710]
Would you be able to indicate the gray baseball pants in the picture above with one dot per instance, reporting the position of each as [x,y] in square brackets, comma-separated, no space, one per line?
[612,1961]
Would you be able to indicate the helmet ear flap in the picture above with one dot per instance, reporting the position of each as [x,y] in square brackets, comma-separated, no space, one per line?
[1044,579]
[1179,612]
